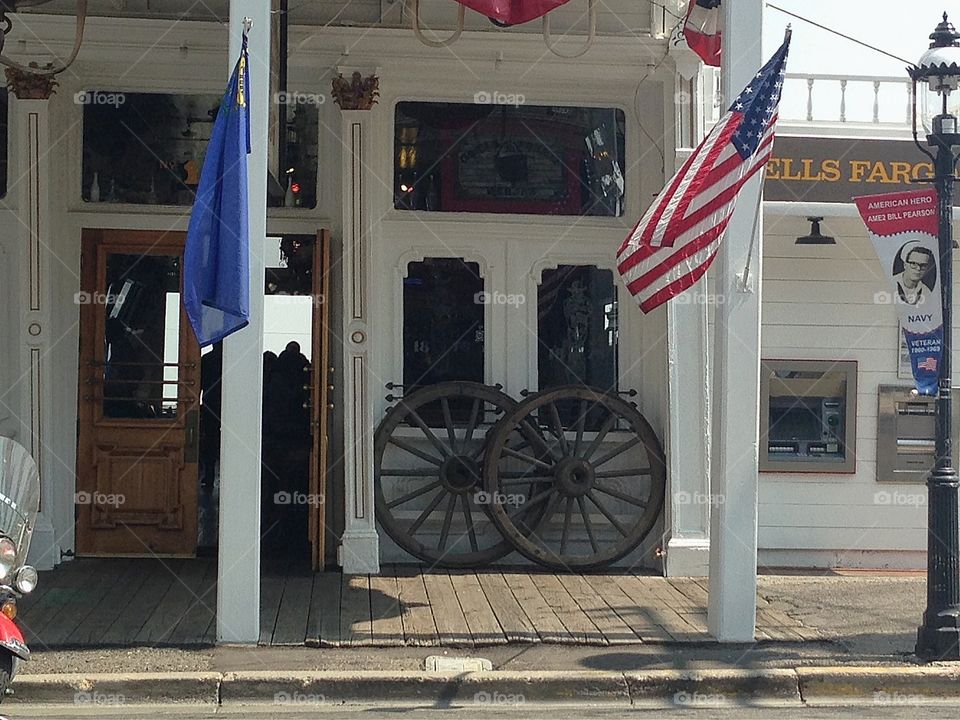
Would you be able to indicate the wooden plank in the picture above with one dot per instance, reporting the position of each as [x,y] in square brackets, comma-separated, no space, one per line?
[385,611]
[160,575]
[614,629]
[659,603]
[192,629]
[62,585]
[291,628]
[106,575]
[549,627]
[271,594]
[481,619]
[689,587]
[514,621]
[634,611]
[419,626]
[174,605]
[323,626]
[356,624]
[111,605]
[447,613]
[581,628]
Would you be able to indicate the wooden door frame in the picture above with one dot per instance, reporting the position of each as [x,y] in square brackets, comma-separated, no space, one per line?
[320,398]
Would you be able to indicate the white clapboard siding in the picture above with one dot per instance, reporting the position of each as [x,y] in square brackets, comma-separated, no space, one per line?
[831,302]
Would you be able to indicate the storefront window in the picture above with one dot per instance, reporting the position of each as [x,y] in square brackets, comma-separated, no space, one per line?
[808,415]
[443,322]
[508,158]
[148,149]
[4,120]
[577,327]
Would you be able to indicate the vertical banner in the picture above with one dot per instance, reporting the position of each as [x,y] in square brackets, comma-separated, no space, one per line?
[904,227]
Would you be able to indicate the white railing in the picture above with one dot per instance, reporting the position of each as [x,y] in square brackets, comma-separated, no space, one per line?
[847,99]
[883,102]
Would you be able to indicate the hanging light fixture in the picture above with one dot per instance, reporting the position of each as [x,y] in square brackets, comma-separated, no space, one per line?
[815,237]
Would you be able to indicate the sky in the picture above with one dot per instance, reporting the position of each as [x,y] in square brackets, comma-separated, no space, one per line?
[901,27]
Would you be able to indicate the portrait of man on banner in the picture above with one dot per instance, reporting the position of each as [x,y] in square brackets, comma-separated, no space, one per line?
[915,273]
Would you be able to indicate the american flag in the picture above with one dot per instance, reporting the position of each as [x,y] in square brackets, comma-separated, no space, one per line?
[677,238]
[929,363]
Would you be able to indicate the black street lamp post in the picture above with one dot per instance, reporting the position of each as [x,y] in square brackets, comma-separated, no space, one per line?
[938,73]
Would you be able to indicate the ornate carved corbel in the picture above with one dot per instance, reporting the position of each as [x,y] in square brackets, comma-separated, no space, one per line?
[358,93]
[30,86]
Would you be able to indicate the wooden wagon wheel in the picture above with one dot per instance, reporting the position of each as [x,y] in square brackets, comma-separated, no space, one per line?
[593,466]
[429,473]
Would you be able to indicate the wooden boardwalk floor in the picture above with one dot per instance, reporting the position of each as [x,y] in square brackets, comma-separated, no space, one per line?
[135,602]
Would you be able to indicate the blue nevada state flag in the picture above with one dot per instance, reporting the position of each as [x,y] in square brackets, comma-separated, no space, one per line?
[216,263]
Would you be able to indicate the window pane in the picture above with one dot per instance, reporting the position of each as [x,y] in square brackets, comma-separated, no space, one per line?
[577,327]
[4,124]
[148,149]
[303,127]
[141,352]
[509,158]
[443,322]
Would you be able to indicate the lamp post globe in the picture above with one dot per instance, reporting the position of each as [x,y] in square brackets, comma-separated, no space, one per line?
[936,79]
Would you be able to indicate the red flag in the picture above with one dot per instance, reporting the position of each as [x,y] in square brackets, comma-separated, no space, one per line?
[512,12]
[676,240]
[702,30]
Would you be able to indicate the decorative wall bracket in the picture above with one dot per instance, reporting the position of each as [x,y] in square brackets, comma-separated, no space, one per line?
[358,93]
[30,86]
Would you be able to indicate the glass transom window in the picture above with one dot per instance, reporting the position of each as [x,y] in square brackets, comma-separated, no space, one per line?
[527,159]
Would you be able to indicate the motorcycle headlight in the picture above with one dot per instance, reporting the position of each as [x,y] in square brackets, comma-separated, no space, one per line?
[8,556]
[26,579]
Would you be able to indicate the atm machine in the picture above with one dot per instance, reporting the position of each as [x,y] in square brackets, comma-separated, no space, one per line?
[905,434]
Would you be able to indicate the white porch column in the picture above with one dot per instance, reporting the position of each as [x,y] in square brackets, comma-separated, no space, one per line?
[359,550]
[238,589]
[30,118]
[732,610]
[687,542]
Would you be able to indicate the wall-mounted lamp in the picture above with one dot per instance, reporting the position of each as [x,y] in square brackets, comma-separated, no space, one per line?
[815,237]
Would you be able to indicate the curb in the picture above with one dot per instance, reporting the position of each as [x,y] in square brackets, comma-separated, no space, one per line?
[117,689]
[879,685]
[710,687]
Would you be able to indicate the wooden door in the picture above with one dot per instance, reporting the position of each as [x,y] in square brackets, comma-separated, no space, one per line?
[320,397]
[138,398]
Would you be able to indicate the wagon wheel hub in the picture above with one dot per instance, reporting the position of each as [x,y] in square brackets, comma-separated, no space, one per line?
[460,474]
[574,477]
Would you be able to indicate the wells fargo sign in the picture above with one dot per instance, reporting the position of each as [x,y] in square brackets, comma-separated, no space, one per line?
[805,169]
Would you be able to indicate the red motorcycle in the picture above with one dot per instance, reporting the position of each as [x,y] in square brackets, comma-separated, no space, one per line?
[19,504]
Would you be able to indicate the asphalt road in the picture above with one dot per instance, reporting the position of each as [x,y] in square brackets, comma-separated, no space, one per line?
[928,712]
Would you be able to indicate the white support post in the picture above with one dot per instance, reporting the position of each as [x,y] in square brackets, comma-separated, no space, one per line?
[238,588]
[359,550]
[687,542]
[31,120]
[731,615]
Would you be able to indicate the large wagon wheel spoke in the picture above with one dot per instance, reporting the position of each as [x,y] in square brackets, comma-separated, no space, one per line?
[428,479]
[592,497]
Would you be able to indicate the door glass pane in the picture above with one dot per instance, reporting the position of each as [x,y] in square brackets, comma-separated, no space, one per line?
[443,328]
[577,327]
[141,343]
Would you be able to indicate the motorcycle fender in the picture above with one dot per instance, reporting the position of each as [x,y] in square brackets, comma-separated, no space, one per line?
[11,638]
